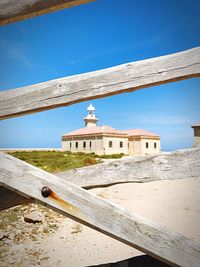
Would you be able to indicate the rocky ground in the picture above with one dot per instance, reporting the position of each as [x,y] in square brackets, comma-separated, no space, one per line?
[25,224]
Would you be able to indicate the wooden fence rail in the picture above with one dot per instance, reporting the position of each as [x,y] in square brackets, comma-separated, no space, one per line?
[11,10]
[97,213]
[182,164]
[123,78]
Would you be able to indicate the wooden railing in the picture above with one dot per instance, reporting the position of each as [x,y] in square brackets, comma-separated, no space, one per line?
[75,202]
[11,11]
[120,79]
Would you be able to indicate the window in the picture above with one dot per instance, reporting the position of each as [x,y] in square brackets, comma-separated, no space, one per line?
[90,143]
[121,144]
[70,144]
[155,145]
[147,145]
[76,144]
[84,144]
[110,143]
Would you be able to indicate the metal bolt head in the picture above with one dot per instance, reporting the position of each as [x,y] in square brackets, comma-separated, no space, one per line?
[46,191]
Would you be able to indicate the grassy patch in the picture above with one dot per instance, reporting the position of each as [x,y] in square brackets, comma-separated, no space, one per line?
[56,161]
[112,156]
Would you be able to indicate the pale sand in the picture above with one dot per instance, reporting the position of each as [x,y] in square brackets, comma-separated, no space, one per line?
[175,204]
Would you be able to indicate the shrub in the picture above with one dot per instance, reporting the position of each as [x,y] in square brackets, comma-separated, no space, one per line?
[112,156]
[89,161]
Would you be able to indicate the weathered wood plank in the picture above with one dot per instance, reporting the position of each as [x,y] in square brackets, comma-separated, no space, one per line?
[179,164]
[99,214]
[12,10]
[115,80]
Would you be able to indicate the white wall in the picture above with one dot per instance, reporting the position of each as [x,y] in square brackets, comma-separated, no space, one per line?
[196,137]
[138,146]
[96,144]
[151,149]
[115,149]
[100,145]
[135,146]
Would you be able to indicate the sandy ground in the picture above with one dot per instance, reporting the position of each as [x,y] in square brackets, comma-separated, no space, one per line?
[175,204]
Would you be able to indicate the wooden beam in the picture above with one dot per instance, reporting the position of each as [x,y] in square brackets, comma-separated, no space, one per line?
[12,10]
[81,205]
[116,80]
[180,164]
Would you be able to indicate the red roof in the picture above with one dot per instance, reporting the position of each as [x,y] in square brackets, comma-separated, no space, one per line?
[109,130]
[134,132]
[96,130]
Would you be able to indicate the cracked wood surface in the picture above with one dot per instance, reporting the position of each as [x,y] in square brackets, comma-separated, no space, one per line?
[12,10]
[83,206]
[116,80]
[179,164]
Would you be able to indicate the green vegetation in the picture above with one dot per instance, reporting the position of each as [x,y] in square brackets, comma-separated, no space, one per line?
[112,156]
[56,161]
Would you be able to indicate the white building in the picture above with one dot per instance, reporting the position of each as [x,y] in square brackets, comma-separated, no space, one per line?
[196,128]
[103,140]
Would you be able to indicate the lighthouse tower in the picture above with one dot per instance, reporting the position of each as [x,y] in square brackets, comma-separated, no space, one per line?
[90,120]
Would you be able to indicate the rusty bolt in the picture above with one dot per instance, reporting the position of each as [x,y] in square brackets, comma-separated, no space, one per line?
[46,191]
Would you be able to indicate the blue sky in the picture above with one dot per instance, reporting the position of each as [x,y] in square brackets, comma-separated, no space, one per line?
[96,36]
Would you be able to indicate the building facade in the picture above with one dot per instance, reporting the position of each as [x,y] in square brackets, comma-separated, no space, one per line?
[105,140]
[196,128]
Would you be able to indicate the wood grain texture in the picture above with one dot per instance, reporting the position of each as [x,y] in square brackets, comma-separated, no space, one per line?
[179,164]
[79,204]
[115,80]
[12,10]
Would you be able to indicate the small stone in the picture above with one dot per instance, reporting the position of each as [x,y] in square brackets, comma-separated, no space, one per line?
[32,209]
[9,228]
[8,241]
[3,236]
[13,261]
[18,232]
[41,228]
[34,217]
[11,236]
